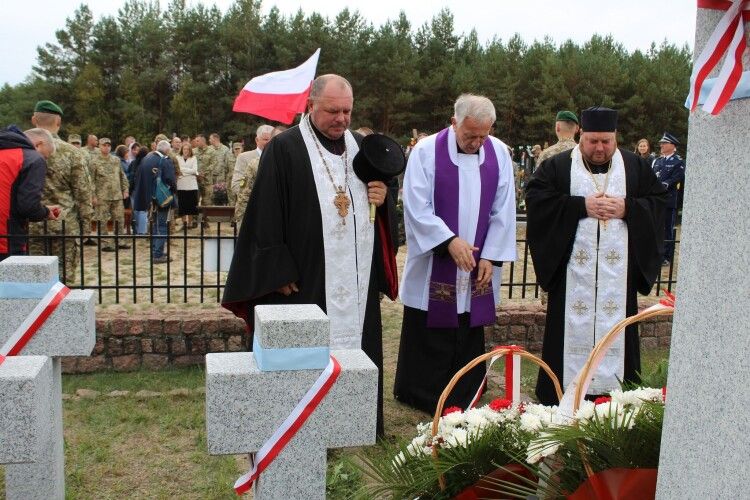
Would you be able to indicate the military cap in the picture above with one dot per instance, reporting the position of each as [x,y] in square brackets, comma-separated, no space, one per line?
[566,116]
[670,139]
[236,145]
[48,107]
[599,119]
[74,138]
[105,140]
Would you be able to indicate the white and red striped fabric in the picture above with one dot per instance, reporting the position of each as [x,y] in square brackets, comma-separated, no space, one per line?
[280,95]
[36,318]
[512,375]
[286,431]
[727,38]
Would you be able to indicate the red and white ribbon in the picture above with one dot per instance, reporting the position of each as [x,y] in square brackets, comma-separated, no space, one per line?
[286,431]
[727,38]
[34,321]
[512,375]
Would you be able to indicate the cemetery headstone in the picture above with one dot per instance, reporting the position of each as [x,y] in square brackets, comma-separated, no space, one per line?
[250,394]
[69,331]
[706,435]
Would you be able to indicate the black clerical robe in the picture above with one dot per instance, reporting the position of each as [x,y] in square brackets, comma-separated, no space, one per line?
[281,242]
[552,221]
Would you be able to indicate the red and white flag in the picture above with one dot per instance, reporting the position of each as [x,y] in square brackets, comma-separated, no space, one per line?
[280,95]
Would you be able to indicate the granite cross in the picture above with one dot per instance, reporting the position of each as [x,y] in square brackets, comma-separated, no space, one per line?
[250,394]
[69,331]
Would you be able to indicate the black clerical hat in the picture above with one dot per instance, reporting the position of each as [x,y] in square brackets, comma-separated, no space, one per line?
[599,119]
[380,158]
[670,139]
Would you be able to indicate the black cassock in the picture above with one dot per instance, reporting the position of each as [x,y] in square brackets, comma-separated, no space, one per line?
[281,241]
[552,221]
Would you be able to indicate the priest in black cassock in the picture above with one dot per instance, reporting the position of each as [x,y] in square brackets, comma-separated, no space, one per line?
[596,235]
[306,237]
[460,219]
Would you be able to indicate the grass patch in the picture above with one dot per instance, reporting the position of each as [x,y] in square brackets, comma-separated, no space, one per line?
[162,381]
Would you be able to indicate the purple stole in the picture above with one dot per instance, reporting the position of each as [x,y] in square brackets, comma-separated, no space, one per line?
[441,308]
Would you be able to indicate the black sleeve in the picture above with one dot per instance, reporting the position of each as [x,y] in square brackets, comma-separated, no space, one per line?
[644,215]
[552,219]
[441,250]
[29,187]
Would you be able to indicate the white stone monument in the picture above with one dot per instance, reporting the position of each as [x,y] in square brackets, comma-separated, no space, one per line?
[25,392]
[69,331]
[706,437]
[250,394]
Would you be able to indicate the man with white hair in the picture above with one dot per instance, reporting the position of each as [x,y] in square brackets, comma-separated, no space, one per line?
[22,172]
[155,165]
[262,137]
[460,218]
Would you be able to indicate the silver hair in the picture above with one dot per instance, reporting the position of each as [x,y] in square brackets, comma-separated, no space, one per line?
[477,107]
[42,135]
[164,147]
[263,129]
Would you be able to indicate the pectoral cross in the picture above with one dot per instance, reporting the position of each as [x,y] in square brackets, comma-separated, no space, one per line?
[341,202]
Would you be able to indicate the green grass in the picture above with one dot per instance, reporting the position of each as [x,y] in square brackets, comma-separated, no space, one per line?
[161,381]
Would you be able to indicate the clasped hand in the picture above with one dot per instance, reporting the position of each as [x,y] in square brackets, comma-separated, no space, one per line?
[603,207]
[463,255]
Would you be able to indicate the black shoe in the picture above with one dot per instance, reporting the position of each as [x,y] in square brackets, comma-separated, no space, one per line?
[89,242]
[162,260]
[108,249]
[124,246]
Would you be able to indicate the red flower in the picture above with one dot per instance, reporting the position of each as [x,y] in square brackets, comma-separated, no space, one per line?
[500,404]
[669,300]
[602,399]
[664,393]
[452,409]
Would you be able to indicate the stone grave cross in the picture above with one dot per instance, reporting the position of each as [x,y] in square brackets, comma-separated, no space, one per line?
[250,394]
[68,331]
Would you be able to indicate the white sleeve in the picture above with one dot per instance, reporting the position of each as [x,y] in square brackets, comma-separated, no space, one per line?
[189,167]
[500,244]
[424,229]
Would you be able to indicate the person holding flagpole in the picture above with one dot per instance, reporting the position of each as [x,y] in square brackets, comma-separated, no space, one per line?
[306,237]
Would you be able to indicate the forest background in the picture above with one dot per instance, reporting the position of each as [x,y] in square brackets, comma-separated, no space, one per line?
[178,70]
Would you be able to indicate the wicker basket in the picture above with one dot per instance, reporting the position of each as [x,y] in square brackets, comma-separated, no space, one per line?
[598,353]
[500,351]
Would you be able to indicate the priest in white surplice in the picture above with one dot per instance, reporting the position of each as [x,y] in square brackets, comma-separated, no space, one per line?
[460,218]
[595,231]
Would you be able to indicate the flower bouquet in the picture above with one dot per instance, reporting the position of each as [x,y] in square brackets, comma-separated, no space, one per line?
[220,194]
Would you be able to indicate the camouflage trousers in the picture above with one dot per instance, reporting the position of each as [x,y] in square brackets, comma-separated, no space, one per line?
[114,211]
[50,240]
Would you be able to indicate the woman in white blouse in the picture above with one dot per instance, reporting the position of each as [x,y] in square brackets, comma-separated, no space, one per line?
[187,186]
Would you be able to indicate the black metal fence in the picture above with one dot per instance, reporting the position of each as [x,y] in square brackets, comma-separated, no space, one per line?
[122,270]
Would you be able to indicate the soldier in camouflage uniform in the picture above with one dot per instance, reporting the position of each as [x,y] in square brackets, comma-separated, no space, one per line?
[246,187]
[236,151]
[111,188]
[75,140]
[207,161]
[566,128]
[224,163]
[66,185]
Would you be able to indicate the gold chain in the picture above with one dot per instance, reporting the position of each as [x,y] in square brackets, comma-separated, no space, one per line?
[339,188]
[593,179]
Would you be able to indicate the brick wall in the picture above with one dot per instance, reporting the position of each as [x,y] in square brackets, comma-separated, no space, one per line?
[155,339]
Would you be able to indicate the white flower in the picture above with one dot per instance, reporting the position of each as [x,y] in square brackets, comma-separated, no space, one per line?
[586,411]
[452,419]
[530,422]
[459,437]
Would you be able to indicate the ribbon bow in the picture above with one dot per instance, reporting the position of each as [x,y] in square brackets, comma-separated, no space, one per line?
[727,38]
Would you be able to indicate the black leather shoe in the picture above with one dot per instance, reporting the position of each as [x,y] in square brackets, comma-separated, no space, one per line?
[108,249]
[89,242]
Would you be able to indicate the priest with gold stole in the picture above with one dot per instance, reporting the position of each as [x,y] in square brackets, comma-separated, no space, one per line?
[596,235]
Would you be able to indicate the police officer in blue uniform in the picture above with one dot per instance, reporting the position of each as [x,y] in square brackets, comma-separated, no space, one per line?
[670,170]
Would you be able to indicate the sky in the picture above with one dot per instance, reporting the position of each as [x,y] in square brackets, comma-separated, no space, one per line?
[634,23]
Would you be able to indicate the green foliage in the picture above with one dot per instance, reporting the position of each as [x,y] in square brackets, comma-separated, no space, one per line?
[148,70]
[462,466]
[343,480]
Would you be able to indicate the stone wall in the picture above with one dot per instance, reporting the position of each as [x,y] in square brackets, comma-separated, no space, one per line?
[156,339]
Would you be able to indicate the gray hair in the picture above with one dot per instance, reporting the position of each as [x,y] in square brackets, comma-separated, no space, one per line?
[475,106]
[43,135]
[319,84]
[264,129]
[164,147]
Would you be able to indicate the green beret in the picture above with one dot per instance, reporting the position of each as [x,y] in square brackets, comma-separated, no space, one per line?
[566,116]
[48,107]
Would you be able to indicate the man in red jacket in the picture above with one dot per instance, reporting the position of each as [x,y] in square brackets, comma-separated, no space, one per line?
[22,172]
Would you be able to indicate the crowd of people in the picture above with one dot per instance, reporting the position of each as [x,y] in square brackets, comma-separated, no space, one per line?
[597,219]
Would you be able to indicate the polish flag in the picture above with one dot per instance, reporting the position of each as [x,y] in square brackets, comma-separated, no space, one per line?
[279,95]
